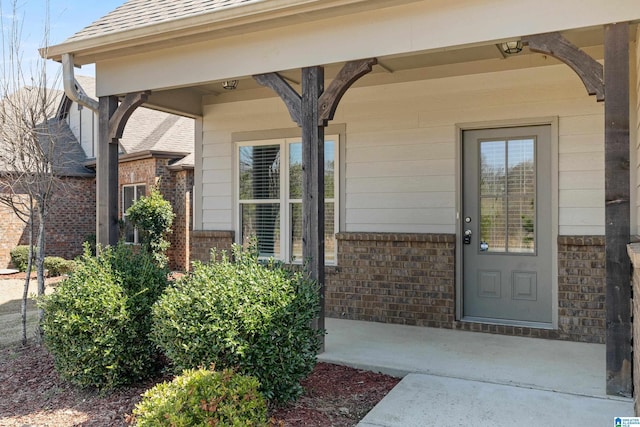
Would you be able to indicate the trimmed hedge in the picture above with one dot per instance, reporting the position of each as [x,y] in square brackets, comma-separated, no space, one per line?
[97,322]
[56,266]
[256,318]
[20,256]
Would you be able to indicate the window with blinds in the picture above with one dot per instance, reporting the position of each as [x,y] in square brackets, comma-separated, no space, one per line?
[270,197]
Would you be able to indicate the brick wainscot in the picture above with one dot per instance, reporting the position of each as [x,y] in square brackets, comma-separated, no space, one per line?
[410,279]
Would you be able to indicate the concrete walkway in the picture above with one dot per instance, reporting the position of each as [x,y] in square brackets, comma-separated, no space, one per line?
[466,378]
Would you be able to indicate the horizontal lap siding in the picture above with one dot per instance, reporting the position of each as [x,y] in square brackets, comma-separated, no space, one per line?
[218,181]
[401,151]
[400,155]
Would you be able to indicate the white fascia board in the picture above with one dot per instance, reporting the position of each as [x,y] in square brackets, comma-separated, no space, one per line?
[399,30]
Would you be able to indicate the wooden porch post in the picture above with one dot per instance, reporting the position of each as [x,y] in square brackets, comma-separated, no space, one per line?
[617,209]
[312,111]
[313,180]
[611,85]
[112,121]
[107,175]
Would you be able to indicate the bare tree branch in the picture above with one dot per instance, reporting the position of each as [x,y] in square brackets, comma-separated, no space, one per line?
[32,159]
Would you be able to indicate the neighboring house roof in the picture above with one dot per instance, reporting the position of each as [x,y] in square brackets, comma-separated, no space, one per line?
[67,158]
[151,131]
[140,13]
[187,162]
[67,150]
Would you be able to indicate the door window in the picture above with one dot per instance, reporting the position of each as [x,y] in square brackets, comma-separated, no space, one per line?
[508,196]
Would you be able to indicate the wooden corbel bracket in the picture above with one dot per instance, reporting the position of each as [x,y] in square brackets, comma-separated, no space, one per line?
[328,100]
[291,98]
[119,119]
[348,75]
[588,69]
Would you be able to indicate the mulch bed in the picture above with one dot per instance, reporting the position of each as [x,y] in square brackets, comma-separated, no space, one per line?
[32,394]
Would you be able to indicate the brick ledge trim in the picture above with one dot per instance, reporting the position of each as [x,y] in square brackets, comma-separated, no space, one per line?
[581,240]
[398,237]
[213,233]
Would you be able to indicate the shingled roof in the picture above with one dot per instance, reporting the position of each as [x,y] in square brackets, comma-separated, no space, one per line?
[66,156]
[150,130]
[142,13]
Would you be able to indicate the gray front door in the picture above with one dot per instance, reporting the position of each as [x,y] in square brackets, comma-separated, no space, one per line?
[506,225]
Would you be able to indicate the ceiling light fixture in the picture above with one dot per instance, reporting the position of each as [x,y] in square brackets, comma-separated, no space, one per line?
[230,84]
[511,47]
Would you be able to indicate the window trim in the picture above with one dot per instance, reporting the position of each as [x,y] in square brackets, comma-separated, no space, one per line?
[284,200]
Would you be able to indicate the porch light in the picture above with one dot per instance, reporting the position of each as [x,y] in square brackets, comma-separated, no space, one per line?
[230,84]
[511,47]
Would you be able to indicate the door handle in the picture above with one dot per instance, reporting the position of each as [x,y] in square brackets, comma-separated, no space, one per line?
[466,239]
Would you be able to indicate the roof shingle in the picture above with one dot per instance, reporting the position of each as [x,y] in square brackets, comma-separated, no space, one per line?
[150,130]
[141,13]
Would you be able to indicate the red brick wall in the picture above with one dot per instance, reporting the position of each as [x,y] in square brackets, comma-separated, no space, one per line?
[138,172]
[11,233]
[70,222]
[393,278]
[181,199]
[410,279]
[72,218]
[174,187]
[581,288]
[203,241]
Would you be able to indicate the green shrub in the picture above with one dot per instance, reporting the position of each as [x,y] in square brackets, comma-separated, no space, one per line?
[98,321]
[20,256]
[242,314]
[203,398]
[154,216]
[57,266]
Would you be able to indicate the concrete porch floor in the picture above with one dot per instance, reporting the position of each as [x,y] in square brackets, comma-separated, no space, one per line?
[468,378]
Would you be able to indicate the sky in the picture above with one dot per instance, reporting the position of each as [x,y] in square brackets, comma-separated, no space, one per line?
[66,17]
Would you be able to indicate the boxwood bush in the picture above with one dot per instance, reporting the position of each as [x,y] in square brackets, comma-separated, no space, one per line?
[20,256]
[97,323]
[57,266]
[202,397]
[243,314]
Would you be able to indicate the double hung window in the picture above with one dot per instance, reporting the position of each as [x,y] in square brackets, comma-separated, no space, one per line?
[270,196]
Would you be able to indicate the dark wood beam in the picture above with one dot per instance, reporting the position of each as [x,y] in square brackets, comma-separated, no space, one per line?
[113,117]
[119,119]
[107,175]
[313,181]
[291,98]
[311,111]
[348,75]
[588,69]
[617,210]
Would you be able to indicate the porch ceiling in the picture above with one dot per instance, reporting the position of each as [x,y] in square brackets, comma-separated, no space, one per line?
[391,69]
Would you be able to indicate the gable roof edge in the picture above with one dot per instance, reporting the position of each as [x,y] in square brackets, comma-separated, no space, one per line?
[85,50]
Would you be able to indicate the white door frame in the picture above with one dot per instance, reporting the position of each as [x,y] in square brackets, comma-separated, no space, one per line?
[460,128]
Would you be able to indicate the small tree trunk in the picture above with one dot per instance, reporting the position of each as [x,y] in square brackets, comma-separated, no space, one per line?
[40,266]
[25,292]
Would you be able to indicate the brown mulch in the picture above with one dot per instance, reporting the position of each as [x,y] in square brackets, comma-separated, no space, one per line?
[32,394]
[22,276]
